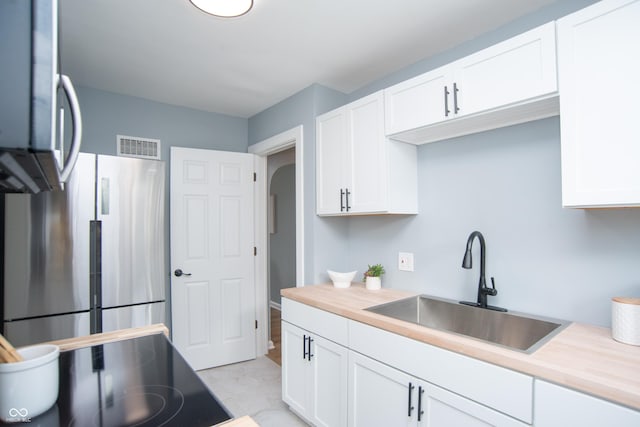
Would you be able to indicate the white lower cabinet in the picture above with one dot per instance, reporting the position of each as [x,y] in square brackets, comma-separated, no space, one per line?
[339,372]
[443,408]
[314,376]
[492,387]
[380,395]
[560,406]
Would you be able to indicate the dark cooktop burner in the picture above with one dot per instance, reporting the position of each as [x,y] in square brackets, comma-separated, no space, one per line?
[138,382]
[150,403]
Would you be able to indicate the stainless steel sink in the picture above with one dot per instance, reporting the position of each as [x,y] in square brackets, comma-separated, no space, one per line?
[516,331]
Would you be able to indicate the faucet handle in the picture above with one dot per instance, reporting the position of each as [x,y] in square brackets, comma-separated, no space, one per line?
[493,291]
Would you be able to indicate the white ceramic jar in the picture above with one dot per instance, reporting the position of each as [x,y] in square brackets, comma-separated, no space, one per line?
[625,320]
[29,388]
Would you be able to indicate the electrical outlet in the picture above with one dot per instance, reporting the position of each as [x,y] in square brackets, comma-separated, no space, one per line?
[405,261]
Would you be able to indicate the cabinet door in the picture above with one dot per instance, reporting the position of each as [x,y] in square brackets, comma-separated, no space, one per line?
[598,69]
[418,102]
[330,374]
[515,70]
[379,395]
[368,173]
[296,381]
[444,409]
[560,406]
[332,161]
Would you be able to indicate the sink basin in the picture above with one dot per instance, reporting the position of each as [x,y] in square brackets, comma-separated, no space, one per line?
[515,331]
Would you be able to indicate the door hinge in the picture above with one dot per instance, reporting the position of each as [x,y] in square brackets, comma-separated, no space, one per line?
[256,324]
[255,177]
[255,251]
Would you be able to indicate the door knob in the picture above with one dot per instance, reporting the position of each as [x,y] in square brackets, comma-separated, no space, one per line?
[179,273]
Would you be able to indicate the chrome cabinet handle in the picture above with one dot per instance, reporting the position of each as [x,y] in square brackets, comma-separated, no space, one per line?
[179,273]
[446,102]
[455,98]
[347,192]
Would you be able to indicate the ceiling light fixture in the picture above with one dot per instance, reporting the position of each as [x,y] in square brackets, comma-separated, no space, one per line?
[224,8]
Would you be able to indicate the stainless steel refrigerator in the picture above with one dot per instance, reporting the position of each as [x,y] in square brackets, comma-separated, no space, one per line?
[90,258]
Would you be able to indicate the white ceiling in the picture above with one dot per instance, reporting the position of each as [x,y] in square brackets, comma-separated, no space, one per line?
[169,51]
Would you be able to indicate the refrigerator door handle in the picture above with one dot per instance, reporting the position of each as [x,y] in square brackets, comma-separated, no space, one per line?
[95,275]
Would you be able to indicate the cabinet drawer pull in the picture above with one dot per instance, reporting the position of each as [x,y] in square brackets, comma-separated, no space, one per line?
[309,352]
[455,99]
[409,407]
[341,200]
[446,102]
[420,411]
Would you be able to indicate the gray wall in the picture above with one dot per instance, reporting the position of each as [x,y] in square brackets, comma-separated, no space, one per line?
[282,243]
[107,114]
[506,183]
[324,238]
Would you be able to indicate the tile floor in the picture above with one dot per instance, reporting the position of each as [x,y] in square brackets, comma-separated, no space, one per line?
[252,388]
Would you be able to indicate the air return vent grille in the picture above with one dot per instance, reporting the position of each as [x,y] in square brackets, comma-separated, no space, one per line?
[132,146]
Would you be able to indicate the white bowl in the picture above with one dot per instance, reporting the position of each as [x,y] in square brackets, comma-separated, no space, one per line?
[30,387]
[341,280]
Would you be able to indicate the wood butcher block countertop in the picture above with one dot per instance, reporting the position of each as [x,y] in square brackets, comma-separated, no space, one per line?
[582,357]
[107,337]
[245,421]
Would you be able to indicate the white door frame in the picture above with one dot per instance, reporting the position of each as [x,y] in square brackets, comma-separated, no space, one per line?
[263,149]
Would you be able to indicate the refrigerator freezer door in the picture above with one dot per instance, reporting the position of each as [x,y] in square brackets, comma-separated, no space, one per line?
[131,208]
[47,247]
[33,331]
[134,316]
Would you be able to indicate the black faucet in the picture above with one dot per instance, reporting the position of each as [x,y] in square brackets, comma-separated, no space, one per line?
[483,290]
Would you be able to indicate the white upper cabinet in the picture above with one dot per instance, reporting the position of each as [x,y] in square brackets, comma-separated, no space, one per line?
[516,70]
[358,170]
[366,183]
[417,102]
[511,82]
[332,161]
[598,69]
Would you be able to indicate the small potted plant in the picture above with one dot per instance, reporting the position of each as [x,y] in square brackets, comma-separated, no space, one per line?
[372,276]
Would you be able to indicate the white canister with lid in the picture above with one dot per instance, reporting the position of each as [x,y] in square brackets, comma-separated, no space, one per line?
[625,320]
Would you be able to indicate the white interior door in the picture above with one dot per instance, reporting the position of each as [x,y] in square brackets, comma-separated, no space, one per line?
[212,244]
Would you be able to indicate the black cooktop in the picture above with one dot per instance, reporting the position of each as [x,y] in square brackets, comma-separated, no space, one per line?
[138,382]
